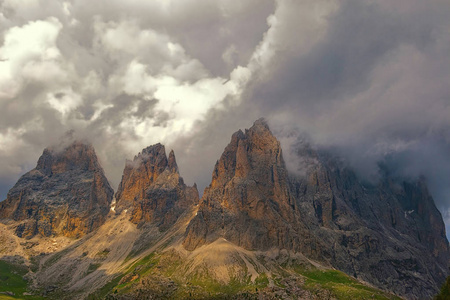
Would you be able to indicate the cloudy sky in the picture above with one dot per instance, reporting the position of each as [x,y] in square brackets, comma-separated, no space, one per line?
[369,78]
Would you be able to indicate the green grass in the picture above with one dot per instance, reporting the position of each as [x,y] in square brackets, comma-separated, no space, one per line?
[105,290]
[92,268]
[141,267]
[4,297]
[262,281]
[215,287]
[341,285]
[102,254]
[445,291]
[144,266]
[11,280]
[201,284]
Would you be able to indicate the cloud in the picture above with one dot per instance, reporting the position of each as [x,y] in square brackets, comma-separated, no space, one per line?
[28,52]
[122,75]
[371,82]
[366,78]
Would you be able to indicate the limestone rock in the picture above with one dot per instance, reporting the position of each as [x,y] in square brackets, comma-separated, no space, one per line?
[389,234]
[153,190]
[248,201]
[66,194]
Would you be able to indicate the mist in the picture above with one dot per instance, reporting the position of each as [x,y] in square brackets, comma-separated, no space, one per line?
[368,79]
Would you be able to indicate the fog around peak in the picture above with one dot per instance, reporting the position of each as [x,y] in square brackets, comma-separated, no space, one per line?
[368,79]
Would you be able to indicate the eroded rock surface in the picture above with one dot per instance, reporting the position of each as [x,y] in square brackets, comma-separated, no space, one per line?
[66,194]
[389,234]
[153,190]
[248,201]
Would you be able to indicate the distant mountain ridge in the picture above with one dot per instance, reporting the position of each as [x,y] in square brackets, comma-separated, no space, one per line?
[257,226]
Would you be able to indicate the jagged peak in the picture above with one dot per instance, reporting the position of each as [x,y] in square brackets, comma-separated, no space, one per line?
[154,153]
[260,127]
[238,135]
[261,122]
[156,148]
[172,163]
[68,155]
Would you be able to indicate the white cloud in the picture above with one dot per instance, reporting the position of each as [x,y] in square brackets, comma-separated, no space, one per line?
[295,26]
[64,101]
[28,52]
[125,39]
[188,101]
[128,74]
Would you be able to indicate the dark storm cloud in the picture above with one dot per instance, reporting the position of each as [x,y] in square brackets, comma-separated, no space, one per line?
[360,34]
[106,69]
[375,86]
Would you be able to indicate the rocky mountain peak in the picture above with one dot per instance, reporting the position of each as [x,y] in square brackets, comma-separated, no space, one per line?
[326,214]
[172,162]
[248,200]
[247,153]
[140,173]
[66,194]
[75,156]
[253,219]
[153,189]
[260,125]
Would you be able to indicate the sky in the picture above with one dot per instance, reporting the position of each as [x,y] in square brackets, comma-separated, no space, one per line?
[367,78]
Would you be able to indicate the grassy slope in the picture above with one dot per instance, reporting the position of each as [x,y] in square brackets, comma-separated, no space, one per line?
[341,285]
[164,276]
[11,280]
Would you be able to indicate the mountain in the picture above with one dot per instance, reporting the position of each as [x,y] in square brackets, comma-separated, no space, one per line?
[248,201]
[66,194]
[153,189]
[258,232]
[390,234]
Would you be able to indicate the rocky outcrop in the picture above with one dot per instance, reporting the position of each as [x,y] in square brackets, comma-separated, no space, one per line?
[248,201]
[389,234]
[153,190]
[66,194]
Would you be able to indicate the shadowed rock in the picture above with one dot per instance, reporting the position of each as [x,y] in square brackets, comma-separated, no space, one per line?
[66,194]
[389,234]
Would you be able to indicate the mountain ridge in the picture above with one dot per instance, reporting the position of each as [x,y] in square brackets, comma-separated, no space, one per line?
[257,231]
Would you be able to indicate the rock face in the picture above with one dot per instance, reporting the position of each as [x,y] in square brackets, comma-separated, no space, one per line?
[389,234]
[248,201]
[153,189]
[66,194]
